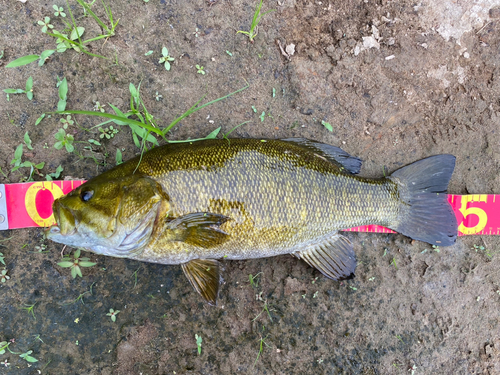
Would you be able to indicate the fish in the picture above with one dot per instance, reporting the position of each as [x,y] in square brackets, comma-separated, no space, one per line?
[196,204]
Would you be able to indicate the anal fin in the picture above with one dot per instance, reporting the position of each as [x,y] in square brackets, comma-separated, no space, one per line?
[204,276]
[333,257]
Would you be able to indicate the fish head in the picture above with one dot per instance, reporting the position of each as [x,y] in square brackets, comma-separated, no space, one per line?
[113,217]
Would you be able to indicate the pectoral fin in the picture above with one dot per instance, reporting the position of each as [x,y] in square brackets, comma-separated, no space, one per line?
[199,229]
[204,276]
[334,257]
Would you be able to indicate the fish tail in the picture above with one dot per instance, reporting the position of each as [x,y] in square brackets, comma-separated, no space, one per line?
[425,213]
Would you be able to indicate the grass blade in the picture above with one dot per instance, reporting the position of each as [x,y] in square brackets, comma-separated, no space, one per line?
[25,60]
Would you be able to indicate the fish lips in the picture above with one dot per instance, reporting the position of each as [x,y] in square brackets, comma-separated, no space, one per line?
[65,222]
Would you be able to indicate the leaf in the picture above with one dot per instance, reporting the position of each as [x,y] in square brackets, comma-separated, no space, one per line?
[27,140]
[25,60]
[213,134]
[136,140]
[327,125]
[30,359]
[44,56]
[78,271]
[74,271]
[13,91]
[69,147]
[61,105]
[133,90]
[40,165]
[29,83]
[60,135]
[118,157]
[148,53]
[74,34]
[167,65]
[29,94]
[65,264]
[58,145]
[87,264]
[164,51]
[63,89]
[19,152]
[39,119]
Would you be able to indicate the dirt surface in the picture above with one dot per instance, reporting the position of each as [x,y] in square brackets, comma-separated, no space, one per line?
[397,80]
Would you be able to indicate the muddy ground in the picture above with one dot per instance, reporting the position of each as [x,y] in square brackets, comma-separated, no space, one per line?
[397,80]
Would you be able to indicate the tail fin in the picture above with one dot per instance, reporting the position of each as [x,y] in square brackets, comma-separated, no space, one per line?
[425,214]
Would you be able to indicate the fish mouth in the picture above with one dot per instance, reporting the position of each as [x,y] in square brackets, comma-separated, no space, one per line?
[65,221]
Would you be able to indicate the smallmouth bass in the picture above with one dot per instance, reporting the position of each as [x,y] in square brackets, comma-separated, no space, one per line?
[193,204]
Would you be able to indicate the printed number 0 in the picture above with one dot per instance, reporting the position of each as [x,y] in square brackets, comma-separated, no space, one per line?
[479,212]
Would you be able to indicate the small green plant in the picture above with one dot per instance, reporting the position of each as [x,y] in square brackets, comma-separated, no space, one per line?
[75,263]
[394,263]
[200,69]
[158,96]
[108,133]
[30,309]
[74,40]
[327,125]
[196,33]
[4,345]
[262,342]
[27,164]
[253,280]
[80,297]
[3,276]
[112,313]
[2,259]
[482,248]
[59,11]
[63,95]
[99,107]
[262,116]
[27,140]
[64,140]
[265,308]
[229,53]
[146,124]
[254,27]
[198,343]
[118,157]
[45,24]
[26,356]
[54,175]
[28,91]
[67,121]
[166,58]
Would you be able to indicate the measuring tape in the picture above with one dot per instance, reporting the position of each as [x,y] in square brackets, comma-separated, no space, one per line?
[30,205]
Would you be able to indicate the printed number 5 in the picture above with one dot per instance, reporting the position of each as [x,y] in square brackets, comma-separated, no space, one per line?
[479,212]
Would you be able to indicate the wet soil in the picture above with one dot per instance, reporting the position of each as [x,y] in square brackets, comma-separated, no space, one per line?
[397,80]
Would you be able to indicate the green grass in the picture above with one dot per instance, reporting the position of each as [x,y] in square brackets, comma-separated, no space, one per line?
[254,27]
[146,125]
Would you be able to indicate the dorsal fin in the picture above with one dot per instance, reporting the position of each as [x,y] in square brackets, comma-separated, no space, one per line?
[335,155]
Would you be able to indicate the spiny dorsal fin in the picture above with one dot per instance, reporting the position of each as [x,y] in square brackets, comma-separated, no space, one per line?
[204,276]
[333,257]
[199,229]
[333,154]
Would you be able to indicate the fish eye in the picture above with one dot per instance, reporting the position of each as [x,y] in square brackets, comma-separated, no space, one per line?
[85,195]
